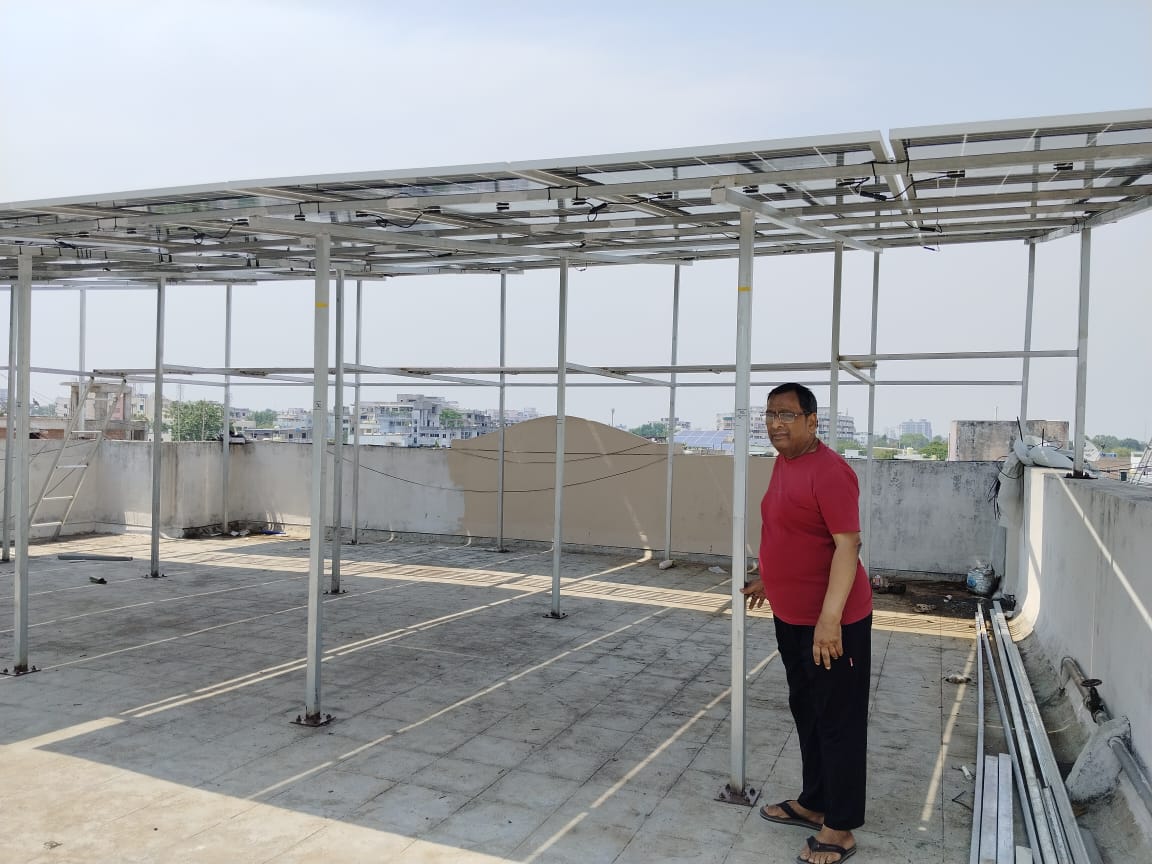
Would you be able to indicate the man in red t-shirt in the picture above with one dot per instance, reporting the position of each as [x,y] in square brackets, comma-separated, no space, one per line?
[811,575]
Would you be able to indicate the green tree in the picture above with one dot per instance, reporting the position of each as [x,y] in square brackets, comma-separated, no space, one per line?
[651,429]
[196,421]
[265,419]
[914,440]
[450,418]
[935,449]
[1119,446]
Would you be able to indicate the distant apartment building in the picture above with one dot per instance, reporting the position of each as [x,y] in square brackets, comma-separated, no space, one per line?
[727,422]
[915,427]
[845,425]
[511,416]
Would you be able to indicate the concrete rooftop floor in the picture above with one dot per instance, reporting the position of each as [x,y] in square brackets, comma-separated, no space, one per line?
[468,727]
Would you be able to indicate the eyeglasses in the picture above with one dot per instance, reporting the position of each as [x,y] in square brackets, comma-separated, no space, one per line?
[783,416]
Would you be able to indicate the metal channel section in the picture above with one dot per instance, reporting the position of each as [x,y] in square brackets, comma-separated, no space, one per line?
[337,442]
[1035,724]
[22,457]
[157,428]
[8,429]
[503,394]
[356,414]
[736,790]
[1022,790]
[671,430]
[226,436]
[1082,349]
[1044,846]
[977,797]
[312,715]
[833,435]
[561,381]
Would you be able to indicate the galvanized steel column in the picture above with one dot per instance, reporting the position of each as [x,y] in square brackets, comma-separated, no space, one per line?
[157,428]
[225,454]
[1082,349]
[503,377]
[834,388]
[338,440]
[870,464]
[22,457]
[1024,373]
[671,430]
[736,780]
[9,430]
[356,417]
[316,526]
[561,383]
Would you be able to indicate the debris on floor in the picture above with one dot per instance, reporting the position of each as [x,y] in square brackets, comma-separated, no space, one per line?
[97,580]
[719,571]
[924,607]
[957,678]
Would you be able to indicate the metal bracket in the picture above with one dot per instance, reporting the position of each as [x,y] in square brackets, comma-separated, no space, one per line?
[18,673]
[312,722]
[556,616]
[341,591]
[746,797]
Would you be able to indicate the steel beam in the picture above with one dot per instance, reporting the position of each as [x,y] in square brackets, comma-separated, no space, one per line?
[722,195]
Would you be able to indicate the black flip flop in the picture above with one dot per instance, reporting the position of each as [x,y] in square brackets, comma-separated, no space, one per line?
[793,818]
[814,845]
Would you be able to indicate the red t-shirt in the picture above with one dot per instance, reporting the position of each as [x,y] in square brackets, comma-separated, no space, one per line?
[809,499]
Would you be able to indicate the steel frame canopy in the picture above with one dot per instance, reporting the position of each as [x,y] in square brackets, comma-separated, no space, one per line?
[1027,180]
[973,183]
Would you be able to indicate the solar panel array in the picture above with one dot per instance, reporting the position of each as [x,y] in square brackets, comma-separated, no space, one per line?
[970,183]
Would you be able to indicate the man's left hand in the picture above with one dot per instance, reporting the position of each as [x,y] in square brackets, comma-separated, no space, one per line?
[826,643]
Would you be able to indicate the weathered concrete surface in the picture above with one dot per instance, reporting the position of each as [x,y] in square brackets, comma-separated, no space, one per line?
[469,728]
[1086,587]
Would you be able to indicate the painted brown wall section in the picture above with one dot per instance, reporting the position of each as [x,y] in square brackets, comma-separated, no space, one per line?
[614,488]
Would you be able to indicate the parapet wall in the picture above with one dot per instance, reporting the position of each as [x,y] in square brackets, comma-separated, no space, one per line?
[929,516]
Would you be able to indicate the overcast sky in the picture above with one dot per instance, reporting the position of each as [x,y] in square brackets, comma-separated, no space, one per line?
[103,96]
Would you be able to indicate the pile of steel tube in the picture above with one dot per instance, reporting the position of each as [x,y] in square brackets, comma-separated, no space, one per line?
[1053,834]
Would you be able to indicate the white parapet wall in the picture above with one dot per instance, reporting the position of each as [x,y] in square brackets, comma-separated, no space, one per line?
[929,517]
[1085,586]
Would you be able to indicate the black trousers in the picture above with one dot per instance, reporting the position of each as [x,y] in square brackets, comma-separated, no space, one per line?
[830,707]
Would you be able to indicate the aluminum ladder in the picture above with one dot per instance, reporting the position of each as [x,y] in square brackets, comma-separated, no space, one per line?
[64,480]
[1142,473]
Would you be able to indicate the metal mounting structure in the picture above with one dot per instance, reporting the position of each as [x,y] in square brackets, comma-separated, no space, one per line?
[1027,181]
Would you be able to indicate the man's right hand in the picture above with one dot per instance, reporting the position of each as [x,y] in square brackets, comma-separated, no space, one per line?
[754,591]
